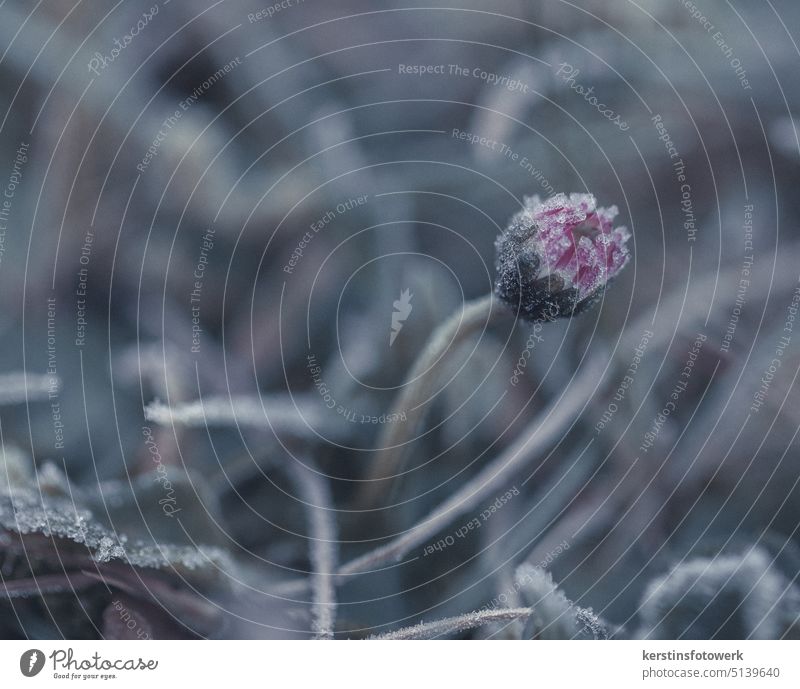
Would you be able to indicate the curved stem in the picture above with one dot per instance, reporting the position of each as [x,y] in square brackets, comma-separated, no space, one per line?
[562,414]
[422,383]
[451,625]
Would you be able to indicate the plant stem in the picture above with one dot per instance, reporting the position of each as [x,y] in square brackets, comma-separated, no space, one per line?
[554,424]
[421,385]
[560,416]
[451,625]
[314,491]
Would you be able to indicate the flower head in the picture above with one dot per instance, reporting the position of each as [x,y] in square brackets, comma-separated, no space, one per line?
[557,256]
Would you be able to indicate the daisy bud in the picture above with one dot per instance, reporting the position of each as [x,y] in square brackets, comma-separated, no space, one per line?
[557,256]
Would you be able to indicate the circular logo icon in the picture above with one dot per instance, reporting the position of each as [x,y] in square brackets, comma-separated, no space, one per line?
[31,662]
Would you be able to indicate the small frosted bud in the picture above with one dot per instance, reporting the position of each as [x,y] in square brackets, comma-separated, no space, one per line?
[557,256]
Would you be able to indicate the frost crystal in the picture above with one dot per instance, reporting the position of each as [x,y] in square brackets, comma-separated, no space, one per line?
[557,256]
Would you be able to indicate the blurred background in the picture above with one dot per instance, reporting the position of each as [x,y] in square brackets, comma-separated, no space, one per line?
[227,231]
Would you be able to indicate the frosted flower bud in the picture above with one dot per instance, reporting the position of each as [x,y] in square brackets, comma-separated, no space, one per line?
[557,256]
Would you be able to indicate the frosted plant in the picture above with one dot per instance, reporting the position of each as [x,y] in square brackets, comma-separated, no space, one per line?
[549,615]
[557,257]
[554,260]
[733,595]
[553,615]
[27,512]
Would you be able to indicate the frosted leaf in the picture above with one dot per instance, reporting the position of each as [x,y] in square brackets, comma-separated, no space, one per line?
[553,615]
[731,595]
[27,511]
